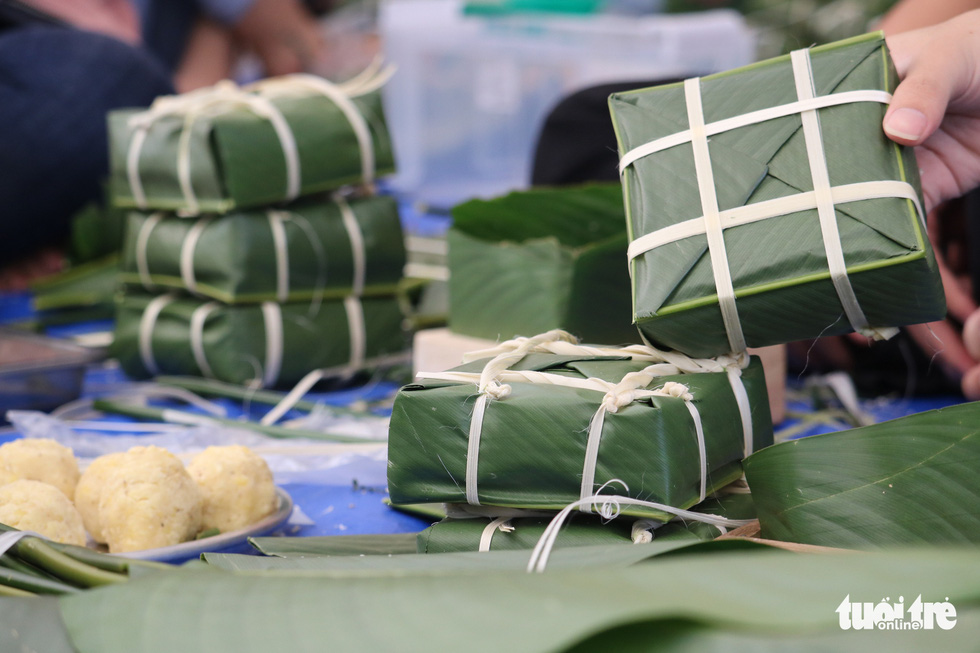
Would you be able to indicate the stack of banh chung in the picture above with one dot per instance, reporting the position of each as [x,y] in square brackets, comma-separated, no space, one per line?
[256,250]
[763,205]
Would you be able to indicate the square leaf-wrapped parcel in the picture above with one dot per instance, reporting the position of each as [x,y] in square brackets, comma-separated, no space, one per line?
[310,250]
[549,434]
[226,147]
[773,184]
[548,258]
[269,343]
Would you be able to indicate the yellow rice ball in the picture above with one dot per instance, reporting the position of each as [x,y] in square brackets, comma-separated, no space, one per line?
[237,487]
[35,506]
[40,459]
[148,501]
[88,492]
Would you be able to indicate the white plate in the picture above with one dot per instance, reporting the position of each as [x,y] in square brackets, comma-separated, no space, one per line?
[232,542]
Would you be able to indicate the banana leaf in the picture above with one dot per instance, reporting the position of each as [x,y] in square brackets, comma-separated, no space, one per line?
[87,289]
[235,260]
[33,624]
[778,265]
[236,157]
[335,545]
[542,259]
[768,600]
[568,558]
[96,232]
[909,481]
[242,344]
[534,441]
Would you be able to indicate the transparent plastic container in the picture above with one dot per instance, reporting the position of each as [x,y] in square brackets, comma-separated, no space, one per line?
[471,92]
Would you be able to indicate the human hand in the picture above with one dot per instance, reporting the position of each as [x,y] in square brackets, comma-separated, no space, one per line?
[936,107]
[283,33]
[117,18]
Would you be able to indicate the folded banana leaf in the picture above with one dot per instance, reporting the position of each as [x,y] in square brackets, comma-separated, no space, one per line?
[315,249]
[381,544]
[908,481]
[542,259]
[273,344]
[87,289]
[778,265]
[96,232]
[523,533]
[242,148]
[538,446]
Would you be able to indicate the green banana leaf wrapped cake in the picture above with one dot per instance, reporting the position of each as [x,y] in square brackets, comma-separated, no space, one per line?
[267,344]
[548,258]
[311,250]
[225,147]
[543,422]
[766,205]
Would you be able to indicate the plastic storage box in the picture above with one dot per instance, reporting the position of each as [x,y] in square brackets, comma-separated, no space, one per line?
[471,92]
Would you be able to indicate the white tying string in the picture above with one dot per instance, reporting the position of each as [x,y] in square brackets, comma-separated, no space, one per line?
[148,323]
[566,345]
[712,220]
[356,244]
[187,249]
[356,331]
[357,335]
[133,167]
[752,118]
[520,348]
[289,84]
[629,389]
[488,387]
[142,243]
[473,449]
[869,190]
[10,538]
[609,509]
[298,392]
[278,229]
[803,76]
[500,523]
[206,104]
[311,379]
[702,453]
[198,319]
[642,531]
[272,316]
[744,408]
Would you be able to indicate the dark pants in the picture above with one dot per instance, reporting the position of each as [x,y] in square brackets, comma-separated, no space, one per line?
[56,86]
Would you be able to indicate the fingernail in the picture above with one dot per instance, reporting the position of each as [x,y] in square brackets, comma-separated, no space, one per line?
[906,123]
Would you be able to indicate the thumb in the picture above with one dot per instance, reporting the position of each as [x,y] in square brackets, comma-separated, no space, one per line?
[919,103]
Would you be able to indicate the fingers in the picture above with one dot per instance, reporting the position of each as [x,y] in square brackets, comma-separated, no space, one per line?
[928,84]
[959,303]
[941,340]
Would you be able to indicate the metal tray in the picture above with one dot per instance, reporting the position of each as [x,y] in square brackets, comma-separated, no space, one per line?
[40,373]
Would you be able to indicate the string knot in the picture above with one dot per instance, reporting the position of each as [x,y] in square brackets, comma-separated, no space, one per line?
[878,333]
[614,400]
[497,390]
[678,390]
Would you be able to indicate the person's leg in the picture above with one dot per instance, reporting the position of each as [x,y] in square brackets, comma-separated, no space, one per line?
[56,86]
